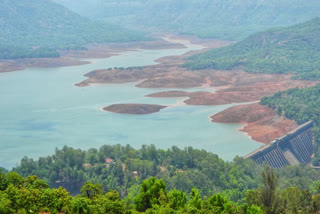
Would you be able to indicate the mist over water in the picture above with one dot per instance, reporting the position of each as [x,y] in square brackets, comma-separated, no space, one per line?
[42,109]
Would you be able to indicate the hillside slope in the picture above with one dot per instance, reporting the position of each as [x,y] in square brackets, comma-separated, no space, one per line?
[302,105]
[293,49]
[228,19]
[45,24]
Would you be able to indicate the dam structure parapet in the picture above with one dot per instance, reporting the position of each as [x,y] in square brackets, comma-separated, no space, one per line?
[292,149]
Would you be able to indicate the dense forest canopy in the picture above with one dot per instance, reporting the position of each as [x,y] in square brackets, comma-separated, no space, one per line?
[293,50]
[123,168]
[152,195]
[228,19]
[300,105]
[40,27]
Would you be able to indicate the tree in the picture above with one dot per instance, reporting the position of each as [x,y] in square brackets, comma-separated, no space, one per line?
[5,204]
[15,179]
[268,192]
[195,202]
[35,183]
[90,190]
[177,199]
[218,204]
[291,200]
[79,206]
[254,209]
[316,204]
[13,194]
[253,197]
[3,181]
[113,204]
[149,193]
[64,199]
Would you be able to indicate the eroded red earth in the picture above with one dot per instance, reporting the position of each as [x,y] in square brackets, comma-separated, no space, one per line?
[221,87]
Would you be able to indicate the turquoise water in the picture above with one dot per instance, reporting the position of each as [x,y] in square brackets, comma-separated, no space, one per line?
[41,109]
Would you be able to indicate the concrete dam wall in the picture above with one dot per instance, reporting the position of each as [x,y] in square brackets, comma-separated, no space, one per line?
[293,149]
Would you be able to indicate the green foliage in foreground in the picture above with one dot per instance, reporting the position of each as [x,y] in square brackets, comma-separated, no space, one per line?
[293,50]
[31,195]
[182,170]
[300,105]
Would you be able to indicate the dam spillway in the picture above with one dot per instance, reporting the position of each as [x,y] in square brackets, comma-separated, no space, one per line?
[293,149]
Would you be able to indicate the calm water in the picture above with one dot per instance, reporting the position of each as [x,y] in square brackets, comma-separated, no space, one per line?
[41,109]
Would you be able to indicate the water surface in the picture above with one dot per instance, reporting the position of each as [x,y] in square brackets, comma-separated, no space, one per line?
[41,109]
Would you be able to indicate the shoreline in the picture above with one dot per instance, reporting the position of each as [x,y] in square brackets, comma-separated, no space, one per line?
[94,51]
[134,108]
[259,122]
[225,87]
[247,134]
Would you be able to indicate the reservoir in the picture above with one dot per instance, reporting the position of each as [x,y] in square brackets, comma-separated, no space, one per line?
[41,110]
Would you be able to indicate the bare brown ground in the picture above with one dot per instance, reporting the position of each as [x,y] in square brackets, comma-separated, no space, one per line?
[260,122]
[237,86]
[134,108]
[166,74]
[231,86]
[246,87]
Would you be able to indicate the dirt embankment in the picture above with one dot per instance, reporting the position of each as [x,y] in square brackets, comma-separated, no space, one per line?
[246,87]
[236,86]
[175,94]
[166,74]
[134,108]
[260,122]
[230,86]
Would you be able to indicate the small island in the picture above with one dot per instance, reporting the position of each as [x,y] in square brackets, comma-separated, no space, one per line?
[134,108]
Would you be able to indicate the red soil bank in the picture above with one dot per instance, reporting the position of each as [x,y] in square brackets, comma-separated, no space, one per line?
[261,122]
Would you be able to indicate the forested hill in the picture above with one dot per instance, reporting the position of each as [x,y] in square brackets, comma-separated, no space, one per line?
[227,19]
[26,25]
[300,105]
[293,49]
